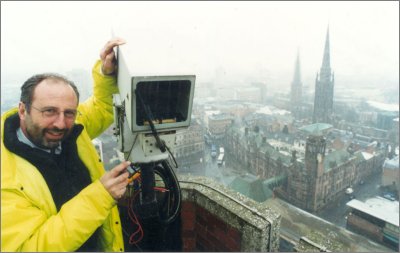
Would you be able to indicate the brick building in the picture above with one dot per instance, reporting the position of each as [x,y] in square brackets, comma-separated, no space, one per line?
[325,175]
[250,149]
[313,180]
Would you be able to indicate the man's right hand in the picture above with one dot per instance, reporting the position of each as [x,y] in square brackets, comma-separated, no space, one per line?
[116,180]
[107,56]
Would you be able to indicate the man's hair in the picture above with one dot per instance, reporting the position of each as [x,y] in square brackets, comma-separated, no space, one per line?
[29,86]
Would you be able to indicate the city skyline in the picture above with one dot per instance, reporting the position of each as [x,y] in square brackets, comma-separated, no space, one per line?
[231,41]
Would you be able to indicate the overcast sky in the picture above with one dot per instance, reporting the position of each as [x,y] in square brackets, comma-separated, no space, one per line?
[243,40]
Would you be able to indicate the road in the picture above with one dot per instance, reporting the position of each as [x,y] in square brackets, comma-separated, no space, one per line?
[337,211]
[208,167]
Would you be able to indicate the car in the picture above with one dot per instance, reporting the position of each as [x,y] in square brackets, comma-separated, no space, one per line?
[349,190]
[213,151]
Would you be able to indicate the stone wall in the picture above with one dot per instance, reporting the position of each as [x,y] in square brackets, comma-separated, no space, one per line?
[215,218]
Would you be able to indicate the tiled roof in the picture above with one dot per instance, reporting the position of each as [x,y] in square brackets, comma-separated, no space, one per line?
[335,158]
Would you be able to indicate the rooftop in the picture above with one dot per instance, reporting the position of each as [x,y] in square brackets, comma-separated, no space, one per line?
[378,207]
[317,128]
[297,224]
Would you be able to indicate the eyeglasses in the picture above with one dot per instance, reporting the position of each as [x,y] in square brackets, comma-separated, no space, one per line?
[52,113]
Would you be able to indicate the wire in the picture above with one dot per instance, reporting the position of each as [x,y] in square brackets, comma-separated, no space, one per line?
[172,156]
[149,116]
[135,176]
[135,221]
[133,144]
[171,183]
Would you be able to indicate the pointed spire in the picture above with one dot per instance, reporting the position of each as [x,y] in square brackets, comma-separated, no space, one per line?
[297,77]
[296,87]
[326,60]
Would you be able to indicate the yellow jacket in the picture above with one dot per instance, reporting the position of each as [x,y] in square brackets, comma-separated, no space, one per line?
[29,219]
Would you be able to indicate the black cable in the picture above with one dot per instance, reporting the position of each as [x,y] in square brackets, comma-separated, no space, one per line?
[133,144]
[165,171]
[171,182]
[172,156]
[149,116]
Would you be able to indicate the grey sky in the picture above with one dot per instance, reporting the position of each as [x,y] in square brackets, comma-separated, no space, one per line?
[245,40]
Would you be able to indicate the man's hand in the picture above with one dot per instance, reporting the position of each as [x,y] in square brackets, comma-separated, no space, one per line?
[116,180]
[107,56]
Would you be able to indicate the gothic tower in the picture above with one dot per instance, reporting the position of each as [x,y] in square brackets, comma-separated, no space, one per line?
[296,90]
[313,162]
[323,100]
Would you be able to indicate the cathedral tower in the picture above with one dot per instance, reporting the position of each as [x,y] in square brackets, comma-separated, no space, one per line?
[324,83]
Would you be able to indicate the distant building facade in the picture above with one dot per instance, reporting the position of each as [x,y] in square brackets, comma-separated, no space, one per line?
[385,120]
[218,124]
[252,152]
[189,141]
[391,173]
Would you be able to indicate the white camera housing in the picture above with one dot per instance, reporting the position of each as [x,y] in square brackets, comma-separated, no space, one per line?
[168,98]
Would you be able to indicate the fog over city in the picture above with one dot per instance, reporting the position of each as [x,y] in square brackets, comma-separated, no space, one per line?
[295,106]
[240,42]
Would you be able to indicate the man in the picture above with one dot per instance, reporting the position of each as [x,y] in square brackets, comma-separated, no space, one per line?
[55,193]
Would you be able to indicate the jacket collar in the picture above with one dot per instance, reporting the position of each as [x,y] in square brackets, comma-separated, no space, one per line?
[10,138]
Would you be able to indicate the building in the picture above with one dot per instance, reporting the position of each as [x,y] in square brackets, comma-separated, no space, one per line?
[324,174]
[271,119]
[296,90]
[218,124]
[315,175]
[367,165]
[391,174]
[190,141]
[376,218]
[250,149]
[324,84]
[393,134]
[385,119]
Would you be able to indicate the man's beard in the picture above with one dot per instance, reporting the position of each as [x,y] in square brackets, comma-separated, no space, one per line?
[37,135]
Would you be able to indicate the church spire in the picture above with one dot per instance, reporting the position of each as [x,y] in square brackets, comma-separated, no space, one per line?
[296,88]
[326,62]
[324,89]
[296,78]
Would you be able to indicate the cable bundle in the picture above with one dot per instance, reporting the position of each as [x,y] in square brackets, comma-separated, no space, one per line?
[167,195]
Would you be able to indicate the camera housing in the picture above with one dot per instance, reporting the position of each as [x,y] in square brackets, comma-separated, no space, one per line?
[165,99]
